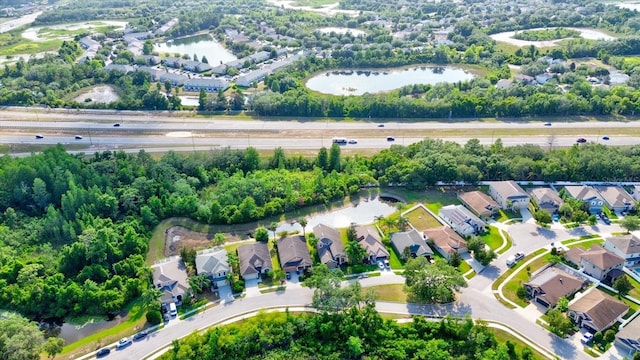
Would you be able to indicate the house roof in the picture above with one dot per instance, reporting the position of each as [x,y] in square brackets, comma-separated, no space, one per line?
[329,244]
[459,215]
[631,330]
[600,307]
[628,244]
[254,258]
[544,195]
[582,192]
[600,257]
[413,240]
[478,201]
[555,283]
[214,82]
[171,276]
[574,254]
[293,251]
[370,240]
[508,189]
[615,196]
[212,261]
[446,239]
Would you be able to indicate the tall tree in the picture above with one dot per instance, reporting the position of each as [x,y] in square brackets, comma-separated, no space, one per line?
[432,283]
[631,223]
[334,157]
[355,252]
[20,339]
[303,222]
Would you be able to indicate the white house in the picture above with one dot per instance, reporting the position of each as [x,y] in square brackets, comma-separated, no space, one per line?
[509,195]
[206,84]
[625,246]
[463,221]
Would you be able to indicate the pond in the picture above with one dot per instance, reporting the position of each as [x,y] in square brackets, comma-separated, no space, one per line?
[74,332]
[590,34]
[340,30]
[201,45]
[361,212]
[358,82]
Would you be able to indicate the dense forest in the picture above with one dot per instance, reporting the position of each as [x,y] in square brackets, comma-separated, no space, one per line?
[354,334]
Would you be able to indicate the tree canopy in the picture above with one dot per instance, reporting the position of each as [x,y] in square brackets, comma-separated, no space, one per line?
[432,283]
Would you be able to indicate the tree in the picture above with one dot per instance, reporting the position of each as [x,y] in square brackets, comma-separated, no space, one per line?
[53,346]
[631,223]
[559,323]
[352,235]
[562,304]
[199,283]
[542,217]
[303,222]
[355,252]
[609,335]
[328,295]
[204,60]
[150,298]
[403,222]
[432,283]
[202,100]
[20,339]
[322,160]
[622,285]
[220,239]
[262,234]
[455,259]
[334,157]
[147,47]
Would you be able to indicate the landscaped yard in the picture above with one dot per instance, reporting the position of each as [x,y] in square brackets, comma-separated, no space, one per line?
[392,292]
[492,238]
[421,219]
[394,258]
[510,289]
[506,215]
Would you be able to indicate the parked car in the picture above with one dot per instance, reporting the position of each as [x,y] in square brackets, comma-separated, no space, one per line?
[103,352]
[380,265]
[288,276]
[380,125]
[116,125]
[124,342]
[519,256]
[586,337]
[141,335]
[581,140]
[511,261]
[555,217]
[386,264]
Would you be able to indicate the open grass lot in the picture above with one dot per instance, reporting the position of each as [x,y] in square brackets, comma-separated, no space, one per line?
[586,244]
[30,47]
[421,219]
[503,336]
[635,292]
[392,292]
[441,196]
[492,238]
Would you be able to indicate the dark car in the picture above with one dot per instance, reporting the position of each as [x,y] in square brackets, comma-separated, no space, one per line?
[581,140]
[547,124]
[103,352]
[380,125]
[391,138]
[141,335]
[116,125]
[78,137]
[288,276]
[605,138]
[39,137]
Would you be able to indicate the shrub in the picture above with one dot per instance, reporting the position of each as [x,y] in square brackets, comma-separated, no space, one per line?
[154,317]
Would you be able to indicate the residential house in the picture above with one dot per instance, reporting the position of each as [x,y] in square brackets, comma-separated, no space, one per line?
[206,84]
[260,56]
[330,247]
[552,283]
[127,38]
[236,64]
[246,80]
[596,310]
[446,241]
[148,60]
[294,253]
[87,43]
[479,203]
[214,264]
[596,262]
[509,195]
[616,198]
[166,27]
[625,246]
[219,69]
[543,78]
[587,195]
[174,79]
[173,62]
[525,79]
[255,260]
[629,336]
[170,277]
[462,220]
[119,67]
[503,84]
[546,198]
[370,240]
[155,73]
[412,242]
[635,192]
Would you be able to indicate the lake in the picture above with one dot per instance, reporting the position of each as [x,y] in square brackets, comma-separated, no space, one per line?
[358,82]
[201,45]
[362,212]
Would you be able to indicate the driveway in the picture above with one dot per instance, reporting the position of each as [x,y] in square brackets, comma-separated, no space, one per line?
[225,293]
[251,288]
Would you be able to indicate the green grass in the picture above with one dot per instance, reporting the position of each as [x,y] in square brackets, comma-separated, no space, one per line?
[391,292]
[517,267]
[394,258]
[274,289]
[503,336]
[635,292]
[464,267]
[586,244]
[313,3]
[26,47]
[509,243]
[492,238]
[421,219]
[507,215]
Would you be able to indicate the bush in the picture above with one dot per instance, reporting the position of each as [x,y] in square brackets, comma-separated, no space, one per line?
[609,335]
[237,286]
[522,293]
[154,317]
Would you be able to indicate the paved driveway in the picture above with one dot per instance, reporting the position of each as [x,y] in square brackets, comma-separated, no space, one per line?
[251,287]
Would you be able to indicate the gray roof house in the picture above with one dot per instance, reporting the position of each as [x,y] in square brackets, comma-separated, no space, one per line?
[461,220]
[330,247]
[596,310]
[247,79]
[173,62]
[255,259]
[294,253]
[213,263]
[174,79]
[413,241]
[616,198]
[170,277]
[629,336]
[370,240]
[546,199]
[596,262]
[206,84]
[587,195]
[509,194]
[625,246]
[119,67]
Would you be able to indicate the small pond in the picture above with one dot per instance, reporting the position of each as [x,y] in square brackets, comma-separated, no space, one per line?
[361,212]
[201,45]
[358,82]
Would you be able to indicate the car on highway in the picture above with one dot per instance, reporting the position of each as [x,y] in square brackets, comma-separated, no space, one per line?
[116,125]
[586,338]
[39,136]
[353,141]
[605,138]
[141,335]
[547,124]
[581,140]
[78,137]
[103,352]
[123,343]
[380,125]
[391,138]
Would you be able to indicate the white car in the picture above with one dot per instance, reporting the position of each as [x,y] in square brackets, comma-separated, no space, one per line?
[353,141]
[380,265]
[586,337]
[124,342]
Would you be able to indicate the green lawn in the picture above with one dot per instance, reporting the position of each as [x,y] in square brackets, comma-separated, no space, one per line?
[232,247]
[635,292]
[507,215]
[492,238]
[421,219]
[392,292]
[586,244]
[503,336]
[510,288]
[394,258]
[464,267]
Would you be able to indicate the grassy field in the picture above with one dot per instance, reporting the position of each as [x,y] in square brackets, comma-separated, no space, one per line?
[503,336]
[421,219]
[517,267]
[313,3]
[492,238]
[392,292]
[507,215]
[25,47]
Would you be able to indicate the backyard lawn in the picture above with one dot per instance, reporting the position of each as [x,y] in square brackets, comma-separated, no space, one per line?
[421,219]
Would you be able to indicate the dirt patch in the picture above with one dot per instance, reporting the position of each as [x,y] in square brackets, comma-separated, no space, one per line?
[177,237]
[100,94]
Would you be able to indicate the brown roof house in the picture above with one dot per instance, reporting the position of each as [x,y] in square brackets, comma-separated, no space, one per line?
[596,262]
[629,336]
[214,263]
[509,194]
[479,203]
[330,247]
[596,310]
[446,241]
[294,253]
[413,241]
[587,195]
[550,284]
[170,277]
[625,246]
[370,240]
[546,199]
[616,198]
[255,260]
